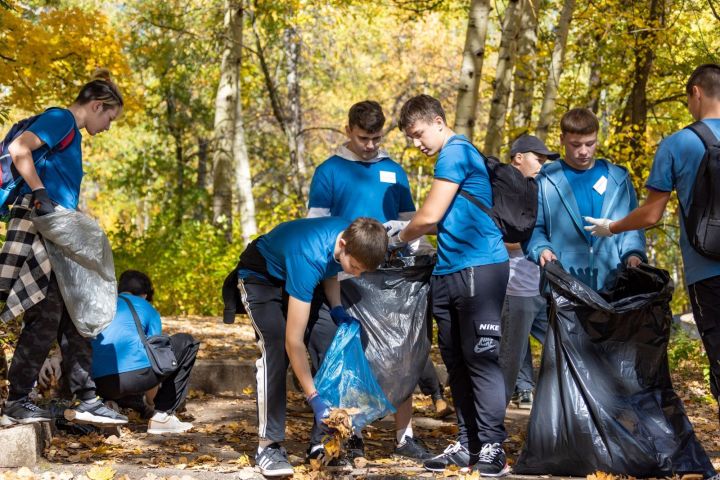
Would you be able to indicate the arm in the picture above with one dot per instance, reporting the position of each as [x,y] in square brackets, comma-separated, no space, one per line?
[632,243]
[297,319]
[332,291]
[647,215]
[442,193]
[21,153]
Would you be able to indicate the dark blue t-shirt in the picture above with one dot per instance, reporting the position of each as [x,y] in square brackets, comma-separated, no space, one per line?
[119,349]
[301,253]
[61,172]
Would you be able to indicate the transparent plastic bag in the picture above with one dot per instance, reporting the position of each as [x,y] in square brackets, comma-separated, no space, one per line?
[346,380]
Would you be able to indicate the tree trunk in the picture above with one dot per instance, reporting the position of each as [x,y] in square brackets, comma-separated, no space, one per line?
[503,80]
[225,108]
[296,142]
[555,71]
[525,64]
[177,134]
[243,177]
[594,80]
[473,56]
[630,131]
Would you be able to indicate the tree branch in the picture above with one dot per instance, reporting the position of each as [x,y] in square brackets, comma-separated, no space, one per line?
[714,12]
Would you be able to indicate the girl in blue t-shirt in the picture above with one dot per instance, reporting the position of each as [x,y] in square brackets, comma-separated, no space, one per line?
[55,180]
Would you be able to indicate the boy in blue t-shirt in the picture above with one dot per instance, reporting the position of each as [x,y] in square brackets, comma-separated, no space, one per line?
[278,273]
[675,167]
[467,288]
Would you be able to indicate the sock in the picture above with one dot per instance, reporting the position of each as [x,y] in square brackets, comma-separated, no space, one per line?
[402,433]
[263,443]
[90,401]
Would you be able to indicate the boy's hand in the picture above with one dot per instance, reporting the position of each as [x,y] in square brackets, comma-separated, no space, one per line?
[320,407]
[340,316]
[547,256]
[41,201]
[50,368]
[392,227]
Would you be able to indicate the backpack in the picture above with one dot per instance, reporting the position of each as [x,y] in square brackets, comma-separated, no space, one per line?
[702,219]
[11,181]
[515,199]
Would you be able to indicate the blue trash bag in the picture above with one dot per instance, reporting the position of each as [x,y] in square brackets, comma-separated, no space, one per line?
[345,378]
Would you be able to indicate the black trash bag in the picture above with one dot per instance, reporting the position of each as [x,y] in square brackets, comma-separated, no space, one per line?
[604,399]
[391,305]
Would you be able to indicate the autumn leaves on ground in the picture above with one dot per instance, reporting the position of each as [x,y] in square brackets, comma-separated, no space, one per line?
[224,437]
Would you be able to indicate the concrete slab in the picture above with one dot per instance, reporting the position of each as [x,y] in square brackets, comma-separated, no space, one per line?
[23,445]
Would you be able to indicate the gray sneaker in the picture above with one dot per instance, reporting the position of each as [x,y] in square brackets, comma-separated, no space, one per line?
[95,413]
[24,411]
[273,461]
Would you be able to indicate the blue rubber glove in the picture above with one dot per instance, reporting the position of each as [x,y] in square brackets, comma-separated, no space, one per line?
[320,407]
[340,316]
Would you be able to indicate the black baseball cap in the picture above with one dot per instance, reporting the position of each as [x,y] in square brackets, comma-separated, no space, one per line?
[529,143]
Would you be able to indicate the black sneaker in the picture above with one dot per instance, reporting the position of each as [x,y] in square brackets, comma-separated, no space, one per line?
[492,461]
[413,448]
[525,400]
[515,399]
[95,413]
[455,454]
[355,448]
[340,463]
[24,411]
[273,461]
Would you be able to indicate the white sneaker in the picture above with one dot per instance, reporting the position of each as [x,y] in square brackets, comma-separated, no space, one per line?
[161,423]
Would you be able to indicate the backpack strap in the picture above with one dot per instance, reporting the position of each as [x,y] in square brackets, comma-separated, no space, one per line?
[143,337]
[707,136]
[476,202]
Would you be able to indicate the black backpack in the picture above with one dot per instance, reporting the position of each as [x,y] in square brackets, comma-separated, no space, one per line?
[702,218]
[515,199]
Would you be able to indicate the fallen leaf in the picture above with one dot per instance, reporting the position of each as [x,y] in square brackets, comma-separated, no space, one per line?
[101,473]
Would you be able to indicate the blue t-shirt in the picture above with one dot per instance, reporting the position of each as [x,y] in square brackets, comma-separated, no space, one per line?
[61,172]
[301,253]
[587,187]
[352,189]
[676,163]
[118,349]
[467,237]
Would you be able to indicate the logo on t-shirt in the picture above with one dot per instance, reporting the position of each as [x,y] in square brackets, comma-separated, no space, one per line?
[387,177]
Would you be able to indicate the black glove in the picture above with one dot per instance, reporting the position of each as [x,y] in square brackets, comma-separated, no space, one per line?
[41,201]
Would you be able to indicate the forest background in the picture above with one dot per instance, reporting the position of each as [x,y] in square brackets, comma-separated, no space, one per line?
[231,104]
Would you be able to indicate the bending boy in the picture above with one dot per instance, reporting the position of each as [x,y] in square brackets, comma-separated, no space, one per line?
[278,273]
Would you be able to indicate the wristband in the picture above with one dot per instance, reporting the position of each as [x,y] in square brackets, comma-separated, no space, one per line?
[311,396]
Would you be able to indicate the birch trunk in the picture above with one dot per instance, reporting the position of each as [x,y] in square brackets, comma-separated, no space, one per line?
[243,176]
[473,56]
[555,71]
[525,65]
[225,108]
[503,80]
[293,131]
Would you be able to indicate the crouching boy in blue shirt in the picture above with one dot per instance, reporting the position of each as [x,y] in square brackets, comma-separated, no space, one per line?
[278,273]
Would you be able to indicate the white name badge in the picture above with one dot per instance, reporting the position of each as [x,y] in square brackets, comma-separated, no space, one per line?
[387,177]
[601,185]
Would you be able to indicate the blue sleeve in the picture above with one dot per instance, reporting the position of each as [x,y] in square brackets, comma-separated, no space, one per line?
[53,126]
[321,189]
[154,324]
[406,201]
[661,176]
[452,163]
[301,277]
[632,242]
[539,240]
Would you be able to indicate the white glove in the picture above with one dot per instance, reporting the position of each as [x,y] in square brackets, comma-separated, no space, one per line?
[50,368]
[600,227]
[392,227]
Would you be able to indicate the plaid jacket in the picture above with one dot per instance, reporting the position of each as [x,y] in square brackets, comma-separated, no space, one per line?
[24,263]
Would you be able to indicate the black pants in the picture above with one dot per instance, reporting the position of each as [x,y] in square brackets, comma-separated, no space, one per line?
[266,305]
[42,324]
[173,388]
[467,306]
[429,382]
[705,300]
